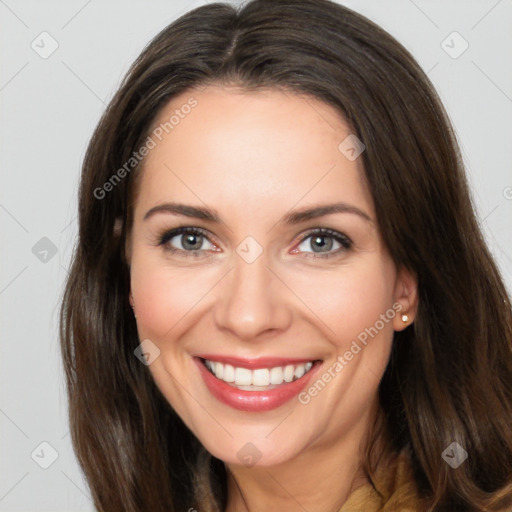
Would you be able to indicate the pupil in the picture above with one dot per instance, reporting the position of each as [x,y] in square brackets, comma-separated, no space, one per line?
[189,241]
[324,246]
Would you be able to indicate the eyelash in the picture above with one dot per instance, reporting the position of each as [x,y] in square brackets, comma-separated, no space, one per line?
[345,242]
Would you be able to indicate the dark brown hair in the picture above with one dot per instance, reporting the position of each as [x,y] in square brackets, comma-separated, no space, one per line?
[450,373]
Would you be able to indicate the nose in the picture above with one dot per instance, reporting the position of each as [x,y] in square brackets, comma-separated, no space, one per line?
[253,302]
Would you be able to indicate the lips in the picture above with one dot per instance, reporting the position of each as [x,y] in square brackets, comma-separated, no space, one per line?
[255,385]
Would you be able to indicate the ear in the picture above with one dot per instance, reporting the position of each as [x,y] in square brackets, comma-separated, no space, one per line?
[406,296]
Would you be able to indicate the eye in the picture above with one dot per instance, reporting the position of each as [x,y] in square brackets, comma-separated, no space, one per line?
[187,241]
[322,241]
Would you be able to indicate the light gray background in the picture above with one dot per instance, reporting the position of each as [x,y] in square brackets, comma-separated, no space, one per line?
[49,108]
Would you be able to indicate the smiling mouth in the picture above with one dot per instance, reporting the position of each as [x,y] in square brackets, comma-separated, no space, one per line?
[260,379]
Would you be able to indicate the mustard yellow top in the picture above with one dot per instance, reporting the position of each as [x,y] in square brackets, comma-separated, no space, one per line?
[395,483]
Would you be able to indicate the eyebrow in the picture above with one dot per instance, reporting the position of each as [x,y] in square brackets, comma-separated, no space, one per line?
[295,217]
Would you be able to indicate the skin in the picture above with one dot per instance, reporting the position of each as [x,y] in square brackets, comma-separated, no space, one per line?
[254,157]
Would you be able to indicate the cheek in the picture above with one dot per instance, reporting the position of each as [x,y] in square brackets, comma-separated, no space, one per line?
[164,295]
[343,302]
[350,300]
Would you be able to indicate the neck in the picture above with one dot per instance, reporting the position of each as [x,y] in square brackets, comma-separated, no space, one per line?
[319,479]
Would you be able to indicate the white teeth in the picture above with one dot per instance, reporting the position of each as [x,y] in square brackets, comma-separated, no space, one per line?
[289,370]
[299,371]
[259,379]
[219,370]
[276,375]
[254,388]
[229,373]
[243,377]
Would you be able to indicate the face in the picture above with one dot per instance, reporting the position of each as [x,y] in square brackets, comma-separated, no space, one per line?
[273,326]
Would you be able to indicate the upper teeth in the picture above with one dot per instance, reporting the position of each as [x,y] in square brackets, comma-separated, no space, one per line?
[259,377]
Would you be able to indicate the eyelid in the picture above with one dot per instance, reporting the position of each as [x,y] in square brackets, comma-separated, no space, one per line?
[169,234]
[345,242]
[341,238]
[327,232]
[166,233]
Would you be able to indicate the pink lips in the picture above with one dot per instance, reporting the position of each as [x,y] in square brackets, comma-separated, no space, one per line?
[253,401]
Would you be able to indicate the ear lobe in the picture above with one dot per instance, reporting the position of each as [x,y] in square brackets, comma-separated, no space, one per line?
[406,294]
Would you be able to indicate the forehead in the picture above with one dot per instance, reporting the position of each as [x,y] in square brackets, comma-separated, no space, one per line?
[266,148]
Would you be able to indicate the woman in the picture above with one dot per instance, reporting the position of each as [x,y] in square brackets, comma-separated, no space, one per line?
[280,297]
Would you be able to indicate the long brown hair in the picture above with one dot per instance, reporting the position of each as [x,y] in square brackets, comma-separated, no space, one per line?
[450,373]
